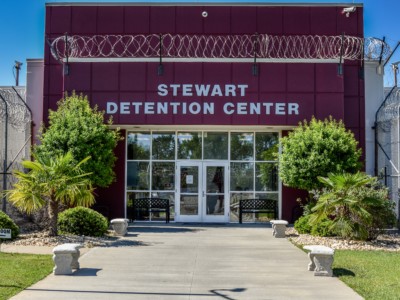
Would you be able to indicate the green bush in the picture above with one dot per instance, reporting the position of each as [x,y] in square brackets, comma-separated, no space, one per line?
[323,228]
[302,226]
[7,223]
[357,204]
[82,221]
[314,149]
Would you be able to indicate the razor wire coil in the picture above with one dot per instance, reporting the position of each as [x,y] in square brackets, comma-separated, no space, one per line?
[18,114]
[218,46]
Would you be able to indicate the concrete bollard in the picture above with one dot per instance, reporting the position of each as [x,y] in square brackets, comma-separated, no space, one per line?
[120,226]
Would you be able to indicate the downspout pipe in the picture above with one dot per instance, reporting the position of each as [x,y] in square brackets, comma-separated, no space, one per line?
[4,205]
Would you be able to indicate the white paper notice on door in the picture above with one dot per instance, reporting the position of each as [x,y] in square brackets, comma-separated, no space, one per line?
[189,179]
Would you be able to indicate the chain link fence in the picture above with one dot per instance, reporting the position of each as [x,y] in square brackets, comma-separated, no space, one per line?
[388,143]
[15,134]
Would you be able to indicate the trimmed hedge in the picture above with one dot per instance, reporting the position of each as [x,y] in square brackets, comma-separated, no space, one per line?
[82,221]
[7,223]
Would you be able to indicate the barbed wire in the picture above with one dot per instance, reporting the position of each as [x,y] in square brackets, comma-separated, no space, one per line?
[219,46]
[18,114]
[391,110]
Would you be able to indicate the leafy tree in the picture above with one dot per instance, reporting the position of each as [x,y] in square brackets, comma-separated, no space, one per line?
[314,149]
[52,182]
[77,128]
[356,204]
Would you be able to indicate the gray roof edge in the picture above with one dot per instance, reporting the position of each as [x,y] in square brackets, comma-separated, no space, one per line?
[155,3]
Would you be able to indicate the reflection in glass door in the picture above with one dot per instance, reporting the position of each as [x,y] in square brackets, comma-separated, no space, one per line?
[216,192]
[188,192]
[202,192]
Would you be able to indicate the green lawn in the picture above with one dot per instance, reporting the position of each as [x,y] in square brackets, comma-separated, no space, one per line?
[372,274]
[19,271]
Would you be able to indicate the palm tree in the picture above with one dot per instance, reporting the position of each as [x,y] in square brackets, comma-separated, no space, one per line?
[52,181]
[346,204]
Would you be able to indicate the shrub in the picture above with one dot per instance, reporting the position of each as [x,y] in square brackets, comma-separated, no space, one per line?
[314,149]
[302,226]
[7,223]
[356,203]
[82,221]
[323,228]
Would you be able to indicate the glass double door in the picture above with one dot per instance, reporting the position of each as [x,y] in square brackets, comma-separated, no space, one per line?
[202,192]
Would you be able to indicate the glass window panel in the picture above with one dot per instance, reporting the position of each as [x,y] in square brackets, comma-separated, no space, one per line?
[242,176]
[138,145]
[215,179]
[265,217]
[234,205]
[163,146]
[163,176]
[266,177]
[140,214]
[242,146]
[273,196]
[215,145]
[267,145]
[189,205]
[138,175]
[189,179]
[189,145]
[171,197]
[215,190]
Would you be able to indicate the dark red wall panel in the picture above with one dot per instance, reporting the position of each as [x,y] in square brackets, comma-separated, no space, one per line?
[59,16]
[162,19]
[296,20]
[323,20]
[327,78]
[351,112]
[329,105]
[137,19]
[189,20]
[105,76]
[110,20]
[244,20]
[269,20]
[300,77]
[80,80]
[272,77]
[133,77]
[218,20]
[84,20]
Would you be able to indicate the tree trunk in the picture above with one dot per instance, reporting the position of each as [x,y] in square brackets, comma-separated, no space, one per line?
[53,216]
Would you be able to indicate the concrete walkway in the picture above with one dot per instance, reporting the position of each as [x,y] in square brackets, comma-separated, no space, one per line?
[160,261]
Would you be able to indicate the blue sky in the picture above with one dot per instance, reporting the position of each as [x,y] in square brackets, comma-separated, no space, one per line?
[22,29]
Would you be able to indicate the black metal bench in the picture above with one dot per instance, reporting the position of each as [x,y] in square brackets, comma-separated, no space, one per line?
[258,206]
[150,205]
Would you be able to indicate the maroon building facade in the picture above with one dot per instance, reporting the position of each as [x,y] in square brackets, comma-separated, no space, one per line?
[199,126]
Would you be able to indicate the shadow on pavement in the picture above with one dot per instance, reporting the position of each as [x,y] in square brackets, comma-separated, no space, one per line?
[86,272]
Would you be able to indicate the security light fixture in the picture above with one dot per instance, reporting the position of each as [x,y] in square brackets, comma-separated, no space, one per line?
[348,10]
